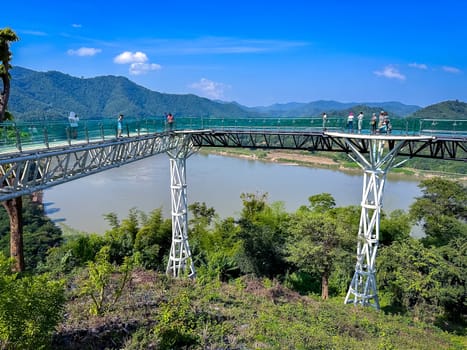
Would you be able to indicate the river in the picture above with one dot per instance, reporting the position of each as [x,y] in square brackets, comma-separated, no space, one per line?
[216,180]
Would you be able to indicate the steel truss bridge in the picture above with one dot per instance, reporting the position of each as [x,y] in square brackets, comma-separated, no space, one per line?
[36,156]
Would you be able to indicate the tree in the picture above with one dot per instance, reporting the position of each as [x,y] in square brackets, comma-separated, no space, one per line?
[425,280]
[262,235]
[30,309]
[153,240]
[6,37]
[13,206]
[321,237]
[394,227]
[442,210]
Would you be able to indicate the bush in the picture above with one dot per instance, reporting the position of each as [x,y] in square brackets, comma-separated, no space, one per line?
[30,308]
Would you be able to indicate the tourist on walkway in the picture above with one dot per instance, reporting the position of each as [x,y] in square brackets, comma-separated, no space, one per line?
[119,125]
[325,118]
[73,120]
[360,122]
[373,122]
[170,121]
[350,122]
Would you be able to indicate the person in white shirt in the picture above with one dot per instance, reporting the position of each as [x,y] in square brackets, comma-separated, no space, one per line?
[360,122]
[350,122]
[73,120]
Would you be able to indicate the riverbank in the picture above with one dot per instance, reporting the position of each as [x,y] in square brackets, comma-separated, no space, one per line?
[324,161]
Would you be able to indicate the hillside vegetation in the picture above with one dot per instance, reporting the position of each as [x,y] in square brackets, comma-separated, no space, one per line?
[444,110]
[268,279]
[51,95]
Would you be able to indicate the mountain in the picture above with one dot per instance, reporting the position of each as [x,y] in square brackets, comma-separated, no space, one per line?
[332,108]
[37,95]
[52,95]
[443,110]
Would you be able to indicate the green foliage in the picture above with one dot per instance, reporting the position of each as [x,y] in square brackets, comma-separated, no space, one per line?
[442,210]
[322,202]
[121,237]
[39,233]
[177,323]
[75,252]
[53,94]
[443,110]
[98,282]
[395,227]
[249,314]
[453,295]
[318,241]
[153,240]
[425,281]
[262,235]
[30,308]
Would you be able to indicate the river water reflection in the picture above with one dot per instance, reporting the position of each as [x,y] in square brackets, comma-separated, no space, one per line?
[216,180]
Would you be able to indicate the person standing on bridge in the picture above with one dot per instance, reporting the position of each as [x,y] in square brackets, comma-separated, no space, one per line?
[170,121]
[350,122]
[325,118]
[373,123]
[73,120]
[360,122]
[119,125]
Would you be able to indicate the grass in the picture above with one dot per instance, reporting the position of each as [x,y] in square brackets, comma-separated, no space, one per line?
[246,313]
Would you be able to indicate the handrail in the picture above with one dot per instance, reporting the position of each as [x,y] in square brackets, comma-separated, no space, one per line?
[21,135]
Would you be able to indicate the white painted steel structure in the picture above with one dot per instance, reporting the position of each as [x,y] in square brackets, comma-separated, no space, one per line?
[382,152]
[180,260]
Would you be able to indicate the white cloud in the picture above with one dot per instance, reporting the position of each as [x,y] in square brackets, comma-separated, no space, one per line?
[453,70]
[390,72]
[84,51]
[224,45]
[210,88]
[418,65]
[33,32]
[142,68]
[131,57]
[76,25]
[138,62]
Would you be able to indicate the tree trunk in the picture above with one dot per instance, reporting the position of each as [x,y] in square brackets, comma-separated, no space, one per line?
[14,208]
[5,95]
[325,286]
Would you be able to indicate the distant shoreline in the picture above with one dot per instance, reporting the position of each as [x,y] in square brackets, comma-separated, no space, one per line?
[311,160]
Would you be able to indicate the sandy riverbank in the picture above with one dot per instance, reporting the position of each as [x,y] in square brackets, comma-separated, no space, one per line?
[298,158]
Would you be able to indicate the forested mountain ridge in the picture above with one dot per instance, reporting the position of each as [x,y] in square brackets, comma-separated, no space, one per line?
[52,95]
[337,108]
[37,95]
[443,110]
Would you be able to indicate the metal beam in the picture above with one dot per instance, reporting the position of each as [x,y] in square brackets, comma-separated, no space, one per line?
[180,261]
[376,164]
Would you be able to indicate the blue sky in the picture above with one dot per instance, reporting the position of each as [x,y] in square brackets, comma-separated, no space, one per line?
[253,52]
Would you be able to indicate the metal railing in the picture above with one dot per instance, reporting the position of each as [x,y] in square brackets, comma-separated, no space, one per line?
[20,136]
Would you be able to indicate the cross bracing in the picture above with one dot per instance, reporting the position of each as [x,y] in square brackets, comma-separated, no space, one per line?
[40,166]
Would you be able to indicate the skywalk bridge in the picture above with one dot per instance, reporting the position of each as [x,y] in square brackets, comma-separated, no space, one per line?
[36,156]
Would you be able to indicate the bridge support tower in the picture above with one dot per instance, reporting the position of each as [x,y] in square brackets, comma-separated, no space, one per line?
[376,156]
[180,260]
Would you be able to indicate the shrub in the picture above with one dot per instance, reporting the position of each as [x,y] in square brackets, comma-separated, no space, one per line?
[30,308]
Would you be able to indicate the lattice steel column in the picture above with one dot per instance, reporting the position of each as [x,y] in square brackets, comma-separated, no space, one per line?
[363,288]
[180,260]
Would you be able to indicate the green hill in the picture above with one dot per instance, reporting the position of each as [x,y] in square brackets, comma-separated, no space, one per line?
[37,95]
[334,108]
[443,110]
[52,95]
